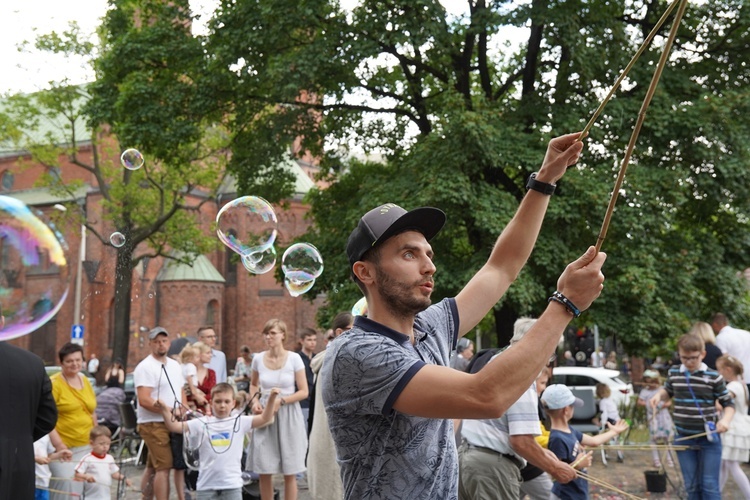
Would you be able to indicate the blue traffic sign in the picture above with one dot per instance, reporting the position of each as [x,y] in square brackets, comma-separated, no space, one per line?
[76,332]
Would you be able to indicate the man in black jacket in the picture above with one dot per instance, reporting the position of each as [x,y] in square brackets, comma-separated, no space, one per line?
[28,413]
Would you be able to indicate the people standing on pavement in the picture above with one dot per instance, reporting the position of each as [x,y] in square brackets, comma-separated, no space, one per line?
[76,405]
[388,391]
[205,377]
[695,391]
[30,414]
[660,425]
[704,331]
[97,469]
[115,375]
[323,472]
[735,443]
[464,352]
[494,451]
[218,364]
[158,377]
[278,448]
[308,340]
[242,369]
[732,341]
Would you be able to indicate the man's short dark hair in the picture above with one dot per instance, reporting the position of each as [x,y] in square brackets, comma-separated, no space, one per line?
[307,332]
[222,387]
[204,328]
[68,349]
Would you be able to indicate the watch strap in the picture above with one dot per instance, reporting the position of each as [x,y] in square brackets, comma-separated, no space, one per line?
[539,186]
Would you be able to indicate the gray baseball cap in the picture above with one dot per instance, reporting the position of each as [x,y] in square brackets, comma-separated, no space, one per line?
[380,223]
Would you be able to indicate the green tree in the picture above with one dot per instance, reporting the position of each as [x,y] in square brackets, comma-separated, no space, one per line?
[152,93]
[463,119]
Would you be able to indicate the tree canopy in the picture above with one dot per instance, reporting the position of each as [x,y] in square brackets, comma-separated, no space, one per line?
[462,120]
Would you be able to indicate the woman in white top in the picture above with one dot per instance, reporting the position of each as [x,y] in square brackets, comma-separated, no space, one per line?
[279,448]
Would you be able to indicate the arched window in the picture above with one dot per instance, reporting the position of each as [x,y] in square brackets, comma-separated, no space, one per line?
[212,313]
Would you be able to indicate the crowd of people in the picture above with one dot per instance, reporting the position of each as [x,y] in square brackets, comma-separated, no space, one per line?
[392,401]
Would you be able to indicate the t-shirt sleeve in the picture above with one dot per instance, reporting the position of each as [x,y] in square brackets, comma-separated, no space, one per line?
[113,468]
[142,377]
[369,374]
[297,363]
[523,415]
[81,466]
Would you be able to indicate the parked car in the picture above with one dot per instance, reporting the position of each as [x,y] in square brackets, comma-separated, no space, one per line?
[579,377]
[51,370]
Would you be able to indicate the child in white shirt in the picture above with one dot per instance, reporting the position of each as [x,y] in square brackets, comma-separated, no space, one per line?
[98,468]
[221,438]
[189,356]
[44,453]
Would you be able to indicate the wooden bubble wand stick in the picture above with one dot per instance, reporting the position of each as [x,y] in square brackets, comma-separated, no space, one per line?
[639,122]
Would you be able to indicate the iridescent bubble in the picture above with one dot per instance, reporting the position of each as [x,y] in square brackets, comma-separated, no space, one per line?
[247,225]
[132,159]
[302,258]
[260,262]
[199,448]
[117,239]
[298,282]
[360,308]
[35,277]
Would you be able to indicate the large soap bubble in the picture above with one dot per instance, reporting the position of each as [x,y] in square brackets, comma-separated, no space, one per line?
[297,284]
[247,225]
[260,262]
[303,259]
[35,276]
[360,307]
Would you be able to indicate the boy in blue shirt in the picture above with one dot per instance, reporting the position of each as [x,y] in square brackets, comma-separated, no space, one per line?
[567,444]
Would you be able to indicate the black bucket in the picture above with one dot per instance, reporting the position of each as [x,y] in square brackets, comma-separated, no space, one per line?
[656,481]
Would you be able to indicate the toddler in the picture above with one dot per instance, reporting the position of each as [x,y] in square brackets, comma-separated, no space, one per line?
[735,444]
[44,453]
[98,468]
[659,420]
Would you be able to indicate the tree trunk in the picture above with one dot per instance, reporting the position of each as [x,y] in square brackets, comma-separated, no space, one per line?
[123,286]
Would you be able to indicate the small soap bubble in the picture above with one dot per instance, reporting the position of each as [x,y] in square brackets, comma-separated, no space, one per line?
[247,225]
[132,159]
[360,307]
[32,248]
[260,262]
[302,258]
[298,283]
[117,239]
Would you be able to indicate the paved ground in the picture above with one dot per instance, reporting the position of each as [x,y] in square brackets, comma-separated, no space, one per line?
[627,476]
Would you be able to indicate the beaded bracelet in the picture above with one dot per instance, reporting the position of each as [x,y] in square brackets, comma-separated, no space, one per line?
[569,306]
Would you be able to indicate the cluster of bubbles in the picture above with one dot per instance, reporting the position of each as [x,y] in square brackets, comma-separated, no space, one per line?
[31,246]
[248,226]
[132,159]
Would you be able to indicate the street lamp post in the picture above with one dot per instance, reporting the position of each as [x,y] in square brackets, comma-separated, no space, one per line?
[79,270]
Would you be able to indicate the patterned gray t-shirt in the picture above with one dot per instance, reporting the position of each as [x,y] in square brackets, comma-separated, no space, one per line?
[384,453]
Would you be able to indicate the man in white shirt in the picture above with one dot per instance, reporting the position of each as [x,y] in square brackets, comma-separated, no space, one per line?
[207,335]
[732,341]
[158,377]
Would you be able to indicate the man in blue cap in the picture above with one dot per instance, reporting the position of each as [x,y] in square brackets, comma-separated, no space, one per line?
[388,391]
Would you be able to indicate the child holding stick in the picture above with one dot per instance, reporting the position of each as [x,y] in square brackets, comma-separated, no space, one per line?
[736,441]
[659,420]
[567,444]
[221,437]
[695,390]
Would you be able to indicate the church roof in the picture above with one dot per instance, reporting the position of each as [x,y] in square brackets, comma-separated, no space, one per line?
[200,270]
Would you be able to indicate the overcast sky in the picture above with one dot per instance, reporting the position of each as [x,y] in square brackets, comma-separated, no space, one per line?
[23,20]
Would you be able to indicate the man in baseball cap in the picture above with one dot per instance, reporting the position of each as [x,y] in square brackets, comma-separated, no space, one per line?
[388,390]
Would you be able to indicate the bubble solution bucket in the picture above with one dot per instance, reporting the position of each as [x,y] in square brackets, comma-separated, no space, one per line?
[656,481]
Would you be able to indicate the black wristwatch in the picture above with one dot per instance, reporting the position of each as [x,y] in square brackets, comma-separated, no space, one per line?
[540,186]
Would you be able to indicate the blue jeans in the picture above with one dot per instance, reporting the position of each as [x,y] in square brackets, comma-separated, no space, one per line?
[701,467]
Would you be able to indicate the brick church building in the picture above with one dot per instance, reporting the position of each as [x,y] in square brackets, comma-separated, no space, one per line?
[216,290]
